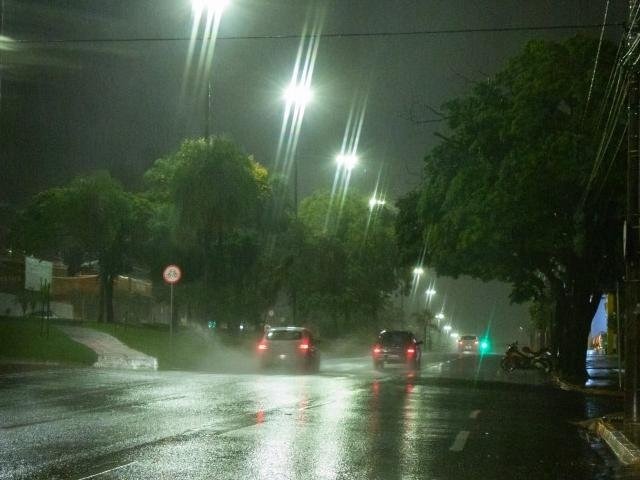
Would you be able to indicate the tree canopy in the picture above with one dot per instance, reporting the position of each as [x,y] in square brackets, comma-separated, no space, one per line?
[209,200]
[509,193]
[347,263]
[91,218]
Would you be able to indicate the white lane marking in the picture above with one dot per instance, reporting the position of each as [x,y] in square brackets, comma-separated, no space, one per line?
[473,415]
[460,441]
[438,364]
[107,471]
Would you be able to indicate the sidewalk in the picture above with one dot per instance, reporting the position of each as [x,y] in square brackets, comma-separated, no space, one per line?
[604,379]
[602,370]
[112,353]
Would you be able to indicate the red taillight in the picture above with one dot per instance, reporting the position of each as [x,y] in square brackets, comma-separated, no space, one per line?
[476,342]
[411,351]
[304,346]
[262,346]
[377,349]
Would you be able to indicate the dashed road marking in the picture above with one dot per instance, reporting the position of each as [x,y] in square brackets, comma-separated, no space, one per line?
[107,471]
[460,441]
[474,415]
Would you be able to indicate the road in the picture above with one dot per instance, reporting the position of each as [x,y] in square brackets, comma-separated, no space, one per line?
[459,418]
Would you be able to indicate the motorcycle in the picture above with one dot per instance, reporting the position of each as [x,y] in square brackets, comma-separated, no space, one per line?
[526,359]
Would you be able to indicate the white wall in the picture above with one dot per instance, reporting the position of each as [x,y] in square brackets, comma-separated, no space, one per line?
[9,306]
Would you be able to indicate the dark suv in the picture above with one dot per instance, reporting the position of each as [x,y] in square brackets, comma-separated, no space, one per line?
[397,346]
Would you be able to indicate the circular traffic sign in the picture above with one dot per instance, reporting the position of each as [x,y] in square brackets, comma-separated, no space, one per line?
[172,274]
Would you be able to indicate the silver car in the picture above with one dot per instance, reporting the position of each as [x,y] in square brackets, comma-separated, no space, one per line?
[292,347]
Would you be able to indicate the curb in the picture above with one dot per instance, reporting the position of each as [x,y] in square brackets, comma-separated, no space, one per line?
[570,387]
[627,452]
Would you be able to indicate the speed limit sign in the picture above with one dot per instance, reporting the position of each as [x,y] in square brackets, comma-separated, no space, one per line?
[172,274]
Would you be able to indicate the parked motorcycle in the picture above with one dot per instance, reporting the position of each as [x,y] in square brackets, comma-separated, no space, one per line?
[526,359]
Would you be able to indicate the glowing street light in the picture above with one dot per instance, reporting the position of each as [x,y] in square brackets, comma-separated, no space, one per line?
[447,328]
[376,202]
[298,94]
[213,6]
[440,315]
[418,271]
[347,161]
[431,292]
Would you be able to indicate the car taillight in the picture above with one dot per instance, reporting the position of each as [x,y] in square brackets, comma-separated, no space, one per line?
[303,346]
[262,346]
[476,342]
[377,349]
[411,350]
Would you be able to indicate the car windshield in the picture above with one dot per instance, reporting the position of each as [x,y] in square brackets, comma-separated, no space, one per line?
[284,335]
[469,338]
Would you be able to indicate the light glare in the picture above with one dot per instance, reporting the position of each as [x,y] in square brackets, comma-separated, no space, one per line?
[347,161]
[299,95]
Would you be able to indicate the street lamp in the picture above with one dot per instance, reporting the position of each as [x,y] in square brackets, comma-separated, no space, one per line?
[418,271]
[347,161]
[440,315]
[375,202]
[447,328]
[430,292]
[298,94]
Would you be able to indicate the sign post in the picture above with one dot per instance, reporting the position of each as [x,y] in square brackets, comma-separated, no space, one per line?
[172,275]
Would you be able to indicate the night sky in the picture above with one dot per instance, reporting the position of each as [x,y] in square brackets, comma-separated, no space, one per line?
[70,108]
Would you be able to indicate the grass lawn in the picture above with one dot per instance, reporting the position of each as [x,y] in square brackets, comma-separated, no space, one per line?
[21,340]
[191,350]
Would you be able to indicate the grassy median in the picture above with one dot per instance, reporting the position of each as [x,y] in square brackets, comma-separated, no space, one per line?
[24,339]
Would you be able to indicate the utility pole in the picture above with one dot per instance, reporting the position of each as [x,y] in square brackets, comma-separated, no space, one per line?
[294,289]
[632,232]
[207,113]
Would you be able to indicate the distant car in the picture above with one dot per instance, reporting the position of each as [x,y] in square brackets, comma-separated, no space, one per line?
[468,344]
[397,346]
[292,347]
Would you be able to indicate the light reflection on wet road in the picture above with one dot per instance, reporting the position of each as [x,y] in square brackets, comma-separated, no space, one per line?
[458,418]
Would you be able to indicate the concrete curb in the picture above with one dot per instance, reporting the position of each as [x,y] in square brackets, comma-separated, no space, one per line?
[625,450]
[570,387]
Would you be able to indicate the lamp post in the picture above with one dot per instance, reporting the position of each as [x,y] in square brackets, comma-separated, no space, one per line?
[213,8]
[298,96]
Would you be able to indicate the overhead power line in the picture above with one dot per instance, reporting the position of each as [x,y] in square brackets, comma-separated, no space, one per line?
[403,33]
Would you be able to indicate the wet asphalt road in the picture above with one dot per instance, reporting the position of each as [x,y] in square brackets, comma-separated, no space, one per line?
[459,418]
